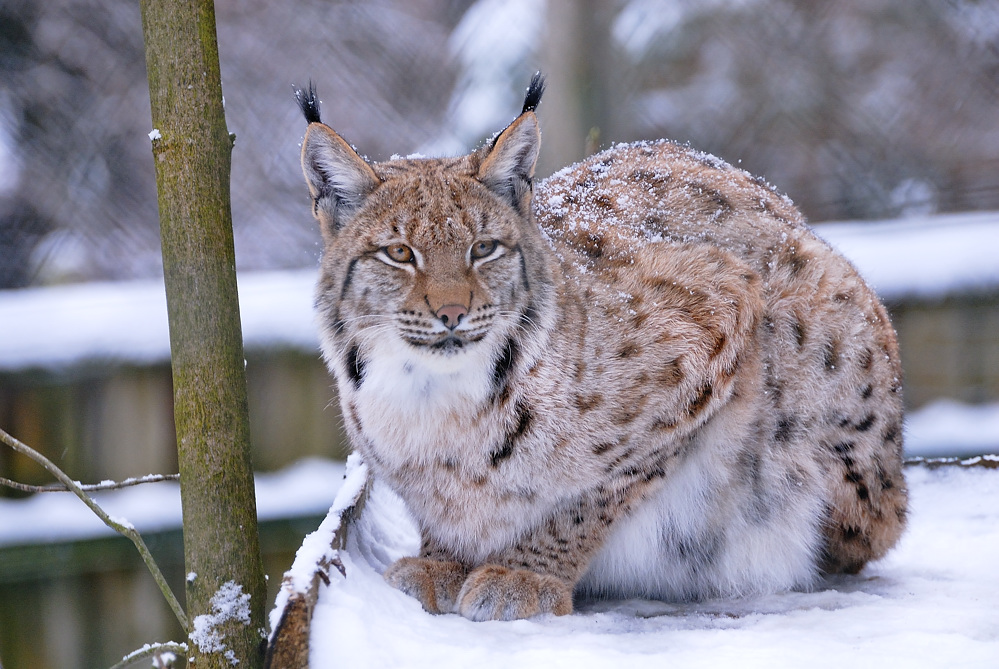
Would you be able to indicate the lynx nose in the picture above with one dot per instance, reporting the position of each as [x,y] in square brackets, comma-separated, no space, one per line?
[451,315]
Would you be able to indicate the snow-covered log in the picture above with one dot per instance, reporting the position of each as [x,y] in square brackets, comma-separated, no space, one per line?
[315,562]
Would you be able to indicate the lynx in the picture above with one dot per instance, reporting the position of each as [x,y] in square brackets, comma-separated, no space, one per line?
[643,377]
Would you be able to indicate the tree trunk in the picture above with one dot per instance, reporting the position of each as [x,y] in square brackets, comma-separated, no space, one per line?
[585,82]
[192,151]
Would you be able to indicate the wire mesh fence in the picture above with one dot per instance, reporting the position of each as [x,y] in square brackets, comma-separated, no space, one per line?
[856,108]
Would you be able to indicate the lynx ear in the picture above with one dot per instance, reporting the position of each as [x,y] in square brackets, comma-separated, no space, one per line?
[338,178]
[507,167]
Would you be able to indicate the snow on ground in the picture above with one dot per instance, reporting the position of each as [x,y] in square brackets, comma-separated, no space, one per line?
[933,602]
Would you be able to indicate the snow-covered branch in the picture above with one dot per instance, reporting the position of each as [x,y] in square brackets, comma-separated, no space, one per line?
[163,655]
[121,526]
[985,461]
[90,487]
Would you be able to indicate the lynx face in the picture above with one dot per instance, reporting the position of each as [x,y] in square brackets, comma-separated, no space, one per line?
[429,262]
[436,281]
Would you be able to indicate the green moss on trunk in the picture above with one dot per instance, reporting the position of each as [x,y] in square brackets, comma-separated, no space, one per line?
[193,159]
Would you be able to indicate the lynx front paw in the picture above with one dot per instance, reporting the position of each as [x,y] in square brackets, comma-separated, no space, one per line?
[434,583]
[493,592]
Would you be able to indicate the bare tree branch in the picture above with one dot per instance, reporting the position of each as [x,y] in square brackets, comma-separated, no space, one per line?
[985,461]
[118,525]
[155,651]
[89,487]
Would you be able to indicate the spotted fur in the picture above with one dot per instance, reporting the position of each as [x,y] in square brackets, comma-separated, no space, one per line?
[646,377]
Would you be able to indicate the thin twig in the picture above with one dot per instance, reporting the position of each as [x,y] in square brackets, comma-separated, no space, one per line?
[153,650]
[89,487]
[118,526]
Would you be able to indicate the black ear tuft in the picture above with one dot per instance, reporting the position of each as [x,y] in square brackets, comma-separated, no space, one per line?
[534,93]
[309,103]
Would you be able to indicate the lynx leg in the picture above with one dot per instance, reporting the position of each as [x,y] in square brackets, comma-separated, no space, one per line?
[434,583]
[493,592]
[538,574]
[869,501]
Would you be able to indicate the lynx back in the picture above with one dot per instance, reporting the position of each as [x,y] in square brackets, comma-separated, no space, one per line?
[644,376]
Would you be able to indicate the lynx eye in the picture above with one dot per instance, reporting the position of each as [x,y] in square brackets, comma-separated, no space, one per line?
[484,248]
[399,253]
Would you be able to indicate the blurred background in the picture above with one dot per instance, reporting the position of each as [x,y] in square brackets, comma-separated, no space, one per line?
[860,110]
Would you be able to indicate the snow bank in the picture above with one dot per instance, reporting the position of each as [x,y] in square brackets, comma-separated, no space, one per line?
[319,550]
[946,428]
[930,603]
[64,325]
[926,258]
[59,326]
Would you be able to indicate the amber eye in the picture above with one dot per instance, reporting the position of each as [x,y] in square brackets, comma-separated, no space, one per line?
[483,248]
[399,253]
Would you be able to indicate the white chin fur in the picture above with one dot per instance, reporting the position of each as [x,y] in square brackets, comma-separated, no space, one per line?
[402,383]
[392,363]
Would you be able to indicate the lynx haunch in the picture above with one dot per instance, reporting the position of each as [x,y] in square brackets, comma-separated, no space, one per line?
[642,377]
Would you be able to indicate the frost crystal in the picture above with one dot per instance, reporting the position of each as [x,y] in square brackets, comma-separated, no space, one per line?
[229,603]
